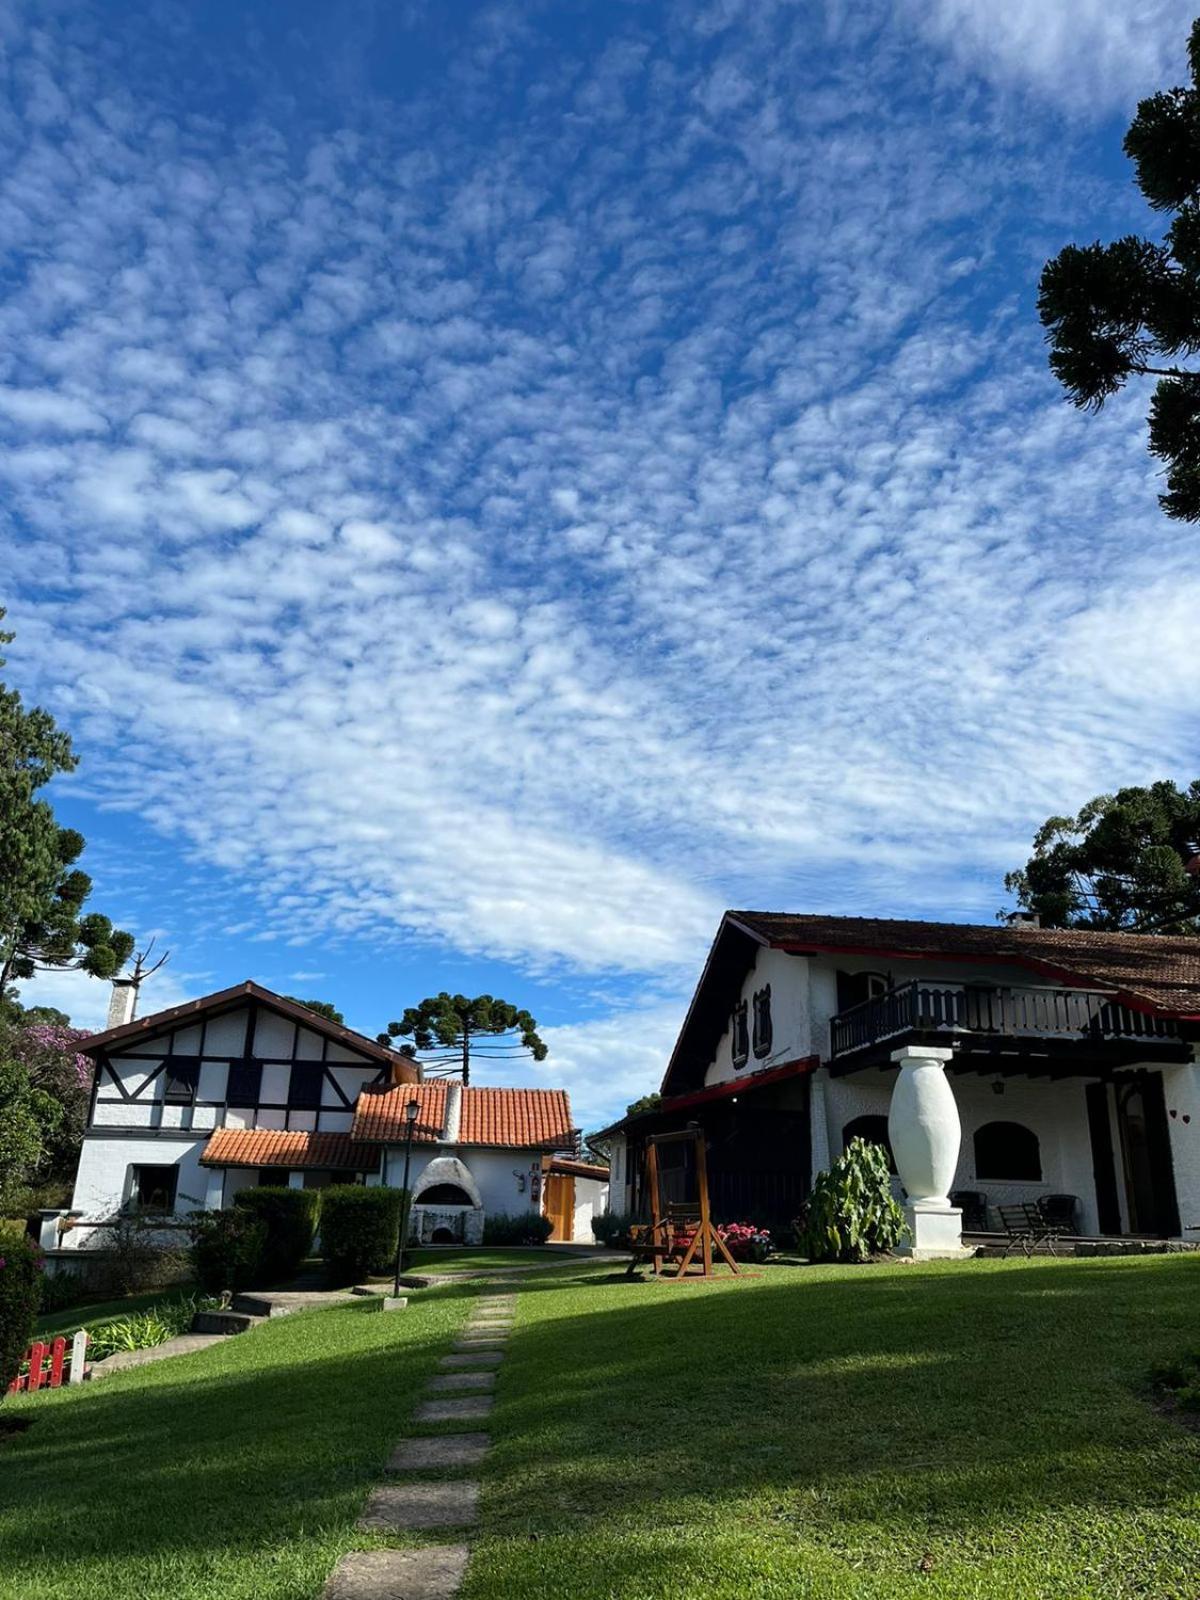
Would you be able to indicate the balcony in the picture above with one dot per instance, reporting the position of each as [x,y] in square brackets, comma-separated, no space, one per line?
[1076,1025]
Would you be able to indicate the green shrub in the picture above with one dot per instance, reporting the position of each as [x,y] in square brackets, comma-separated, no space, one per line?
[142,1330]
[525,1227]
[20,1296]
[1179,1376]
[1188,1398]
[613,1227]
[852,1214]
[140,1250]
[360,1229]
[62,1289]
[226,1250]
[290,1218]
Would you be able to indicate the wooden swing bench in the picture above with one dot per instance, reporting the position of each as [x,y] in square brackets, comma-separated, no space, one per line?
[677,1232]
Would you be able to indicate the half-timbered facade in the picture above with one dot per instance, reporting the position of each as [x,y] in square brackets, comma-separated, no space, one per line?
[243,1087]
[998,1065]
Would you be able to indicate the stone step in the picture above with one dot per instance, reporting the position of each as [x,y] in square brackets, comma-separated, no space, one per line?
[439,1450]
[434,1572]
[397,1507]
[471,1408]
[450,1381]
[473,1358]
[224,1321]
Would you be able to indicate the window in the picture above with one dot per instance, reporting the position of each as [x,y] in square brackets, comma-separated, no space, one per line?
[1007,1151]
[153,1188]
[443,1194]
[853,988]
[741,1033]
[180,1077]
[245,1083]
[273,1178]
[762,1022]
[304,1086]
[875,1131]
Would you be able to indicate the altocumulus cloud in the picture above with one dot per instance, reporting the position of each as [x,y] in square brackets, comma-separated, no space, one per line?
[531,529]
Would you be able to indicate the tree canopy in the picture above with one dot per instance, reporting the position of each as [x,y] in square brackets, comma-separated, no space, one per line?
[1129,860]
[448,1031]
[42,893]
[1131,308]
[322,1008]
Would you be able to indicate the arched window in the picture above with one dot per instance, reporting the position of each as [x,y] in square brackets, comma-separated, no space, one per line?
[1009,1152]
[443,1194]
[874,1130]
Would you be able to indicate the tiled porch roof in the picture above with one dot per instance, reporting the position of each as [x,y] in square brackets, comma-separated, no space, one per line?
[297,1151]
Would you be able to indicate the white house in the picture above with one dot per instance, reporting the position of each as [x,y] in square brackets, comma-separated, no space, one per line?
[244,1087]
[997,1064]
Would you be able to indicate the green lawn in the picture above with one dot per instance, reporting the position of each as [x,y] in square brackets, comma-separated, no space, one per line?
[961,1432]
[92,1312]
[233,1474]
[483,1259]
[833,1432]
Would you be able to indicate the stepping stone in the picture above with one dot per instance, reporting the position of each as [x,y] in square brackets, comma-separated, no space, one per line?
[489,1322]
[483,1336]
[442,1450]
[473,1358]
[480,1347]
[472,1407]
[461,1380]
[396,1507]
[434,1572]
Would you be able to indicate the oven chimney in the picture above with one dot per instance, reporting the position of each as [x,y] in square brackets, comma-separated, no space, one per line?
[452,1116]
[122,1003]
[1024,919]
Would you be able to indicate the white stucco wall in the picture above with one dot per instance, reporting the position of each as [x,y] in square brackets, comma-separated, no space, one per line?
[591,1200]
[790,1017]
[1055,1110]
[1181,1086]
[102,1181]
[618,1173]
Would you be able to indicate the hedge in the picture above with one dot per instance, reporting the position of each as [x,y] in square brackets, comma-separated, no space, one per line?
[526,1227]
[290,1218]
[20,1296]
[360,1229]
[227,1248]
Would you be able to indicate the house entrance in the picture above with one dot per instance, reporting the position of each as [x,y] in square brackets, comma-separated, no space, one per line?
[1145,1154]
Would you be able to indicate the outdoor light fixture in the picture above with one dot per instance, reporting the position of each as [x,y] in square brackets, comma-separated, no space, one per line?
[998,1085]
[410,1116]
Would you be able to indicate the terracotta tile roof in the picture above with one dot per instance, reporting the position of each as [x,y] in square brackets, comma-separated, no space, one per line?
[1162,971]
[267,1147]
[509,1118]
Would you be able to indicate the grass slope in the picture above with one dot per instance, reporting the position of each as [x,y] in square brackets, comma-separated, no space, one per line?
[966,1432]
[234,1474]
[485,1258]
[90,1313]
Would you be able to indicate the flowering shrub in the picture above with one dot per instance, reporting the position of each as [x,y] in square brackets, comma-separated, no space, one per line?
[745,1242]
[20,1294]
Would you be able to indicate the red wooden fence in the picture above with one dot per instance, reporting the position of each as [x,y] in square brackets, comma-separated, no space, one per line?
[48,1366]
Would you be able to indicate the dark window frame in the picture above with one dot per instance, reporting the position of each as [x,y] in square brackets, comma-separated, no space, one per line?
[181,1080]
[249,1068]
[764,1029]
[740,1031]
[139,1184]
[1009,1160]
[867,1126]
[312,1075]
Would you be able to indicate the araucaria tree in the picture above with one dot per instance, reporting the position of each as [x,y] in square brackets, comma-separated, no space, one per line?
[1129,860]
[1132,308]
[449,1031]
[42,892]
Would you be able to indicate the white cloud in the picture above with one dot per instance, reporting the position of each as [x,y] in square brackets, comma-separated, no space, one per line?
[85,1000]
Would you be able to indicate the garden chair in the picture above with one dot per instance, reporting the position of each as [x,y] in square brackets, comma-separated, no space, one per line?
[1026,1228]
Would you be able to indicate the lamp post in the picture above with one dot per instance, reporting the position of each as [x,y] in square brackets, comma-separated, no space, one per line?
[410,1117]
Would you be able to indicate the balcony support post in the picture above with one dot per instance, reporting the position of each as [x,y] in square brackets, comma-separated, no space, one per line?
[925,1131]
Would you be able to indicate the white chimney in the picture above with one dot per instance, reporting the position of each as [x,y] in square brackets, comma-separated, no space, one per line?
[452,1119]
[122,1002]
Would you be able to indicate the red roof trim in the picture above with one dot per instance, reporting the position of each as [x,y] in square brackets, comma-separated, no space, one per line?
[735,1086]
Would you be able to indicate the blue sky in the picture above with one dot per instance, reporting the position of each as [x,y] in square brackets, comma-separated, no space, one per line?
[488,487]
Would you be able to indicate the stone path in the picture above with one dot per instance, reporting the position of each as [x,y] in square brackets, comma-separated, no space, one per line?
[459,1393]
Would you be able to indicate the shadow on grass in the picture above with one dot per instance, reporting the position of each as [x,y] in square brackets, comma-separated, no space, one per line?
[905,1404]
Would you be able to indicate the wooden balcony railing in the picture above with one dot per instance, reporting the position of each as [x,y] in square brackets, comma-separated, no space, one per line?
[1001,1013]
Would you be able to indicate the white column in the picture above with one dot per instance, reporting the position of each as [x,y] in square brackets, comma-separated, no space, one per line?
[926,1134]
[214,1188]
[818,1122]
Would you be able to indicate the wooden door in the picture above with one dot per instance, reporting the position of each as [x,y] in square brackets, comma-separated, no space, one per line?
[560,1206]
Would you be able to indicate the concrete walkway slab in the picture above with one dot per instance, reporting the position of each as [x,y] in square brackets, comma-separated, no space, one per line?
[434,1572]
[473,1358]
[461,1380]
[399,1507]
[183,1345]
[471,1408]
[440,1450]
[474,1338]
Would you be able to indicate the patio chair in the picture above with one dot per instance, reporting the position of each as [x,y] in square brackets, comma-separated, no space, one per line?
[1061,1211]
[1026,1228]
[973,1205]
